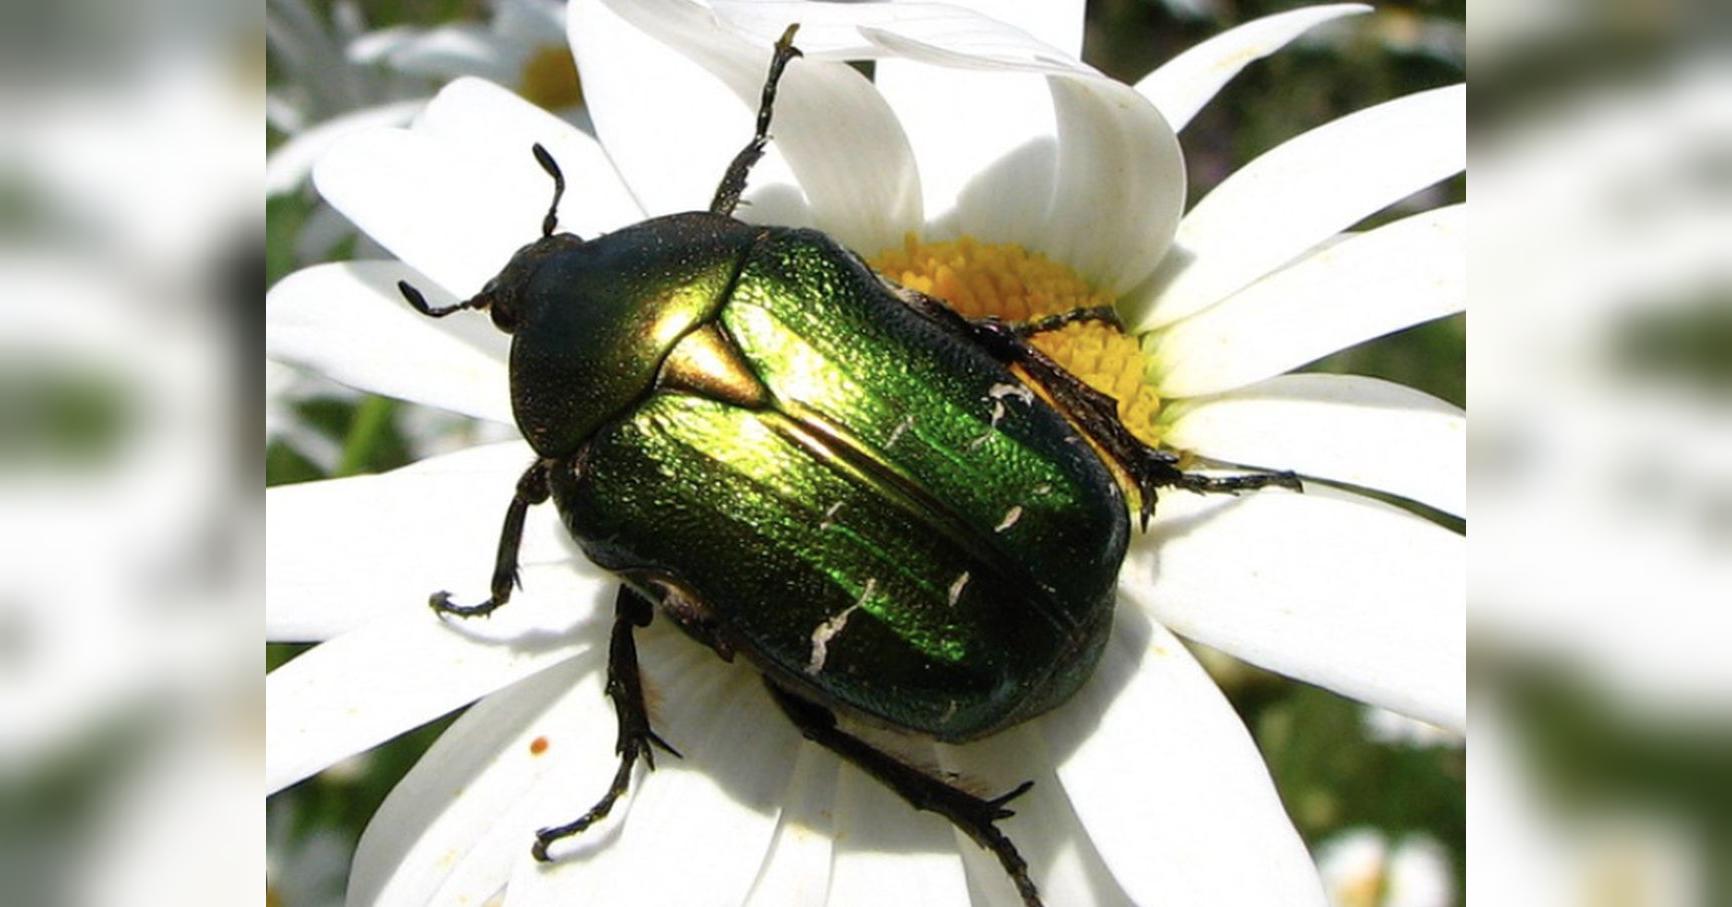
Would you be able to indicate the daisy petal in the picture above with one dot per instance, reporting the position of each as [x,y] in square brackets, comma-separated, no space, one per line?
[1362,431]
[888,853]
[1398,275]
[1182,85]
[428,845]
[288,167]
[716,809]
[982,34]
[1327,587]
[1112,231]
[1169,785]
[1300,194]
[349,323]
[495,125]
[345,552]
[431,206]
[975,132]
[673,131]
[450,51]
[797,870]
[404,670]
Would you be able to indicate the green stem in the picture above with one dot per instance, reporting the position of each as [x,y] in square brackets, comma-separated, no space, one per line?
[372,418]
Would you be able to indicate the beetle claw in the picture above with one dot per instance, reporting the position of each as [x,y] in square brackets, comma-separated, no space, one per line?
[441,604]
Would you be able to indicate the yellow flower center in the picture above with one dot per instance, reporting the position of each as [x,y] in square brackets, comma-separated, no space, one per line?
[1005,280]
[549,79]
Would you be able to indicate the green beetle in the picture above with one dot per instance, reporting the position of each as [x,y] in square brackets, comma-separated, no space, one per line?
[890,511]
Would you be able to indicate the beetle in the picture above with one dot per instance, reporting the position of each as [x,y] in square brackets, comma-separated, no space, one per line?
[894,513]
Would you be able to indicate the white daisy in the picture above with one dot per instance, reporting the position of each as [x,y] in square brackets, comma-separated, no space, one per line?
[1147,787]
[343,77]
[1362,867]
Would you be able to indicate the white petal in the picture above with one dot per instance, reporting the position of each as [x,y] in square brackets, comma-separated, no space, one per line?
[401,671]
[344,552]
[797,870]
[669,126]
[1362,431]
[349,323]
[982,34]
[1021,168]
[888,853]
[1300,194]
[974,133]
[1331,588]
[1398,275]
[451,830]
[287,167]
[1112,230]
[674,136]
[495,125]
[441,211]
[1168,783]
[713,812]
[1062,860]
[1182,85]
[455,50]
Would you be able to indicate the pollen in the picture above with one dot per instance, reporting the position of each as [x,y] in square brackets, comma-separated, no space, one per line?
[549,78]
[1006,281]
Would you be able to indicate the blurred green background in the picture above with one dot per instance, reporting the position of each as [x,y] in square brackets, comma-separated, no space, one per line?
[1334,770]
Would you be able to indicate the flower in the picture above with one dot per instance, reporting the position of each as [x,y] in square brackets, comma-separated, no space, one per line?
[343,78]
[1147,787]
[1362,867]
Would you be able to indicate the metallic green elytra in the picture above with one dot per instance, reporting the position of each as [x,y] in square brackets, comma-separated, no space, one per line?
[864,495]
[873,510]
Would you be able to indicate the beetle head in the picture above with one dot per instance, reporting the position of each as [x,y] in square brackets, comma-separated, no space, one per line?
[503,296]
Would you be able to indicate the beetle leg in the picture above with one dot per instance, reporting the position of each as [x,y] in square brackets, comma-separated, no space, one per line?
[635,740]
[734,181]
[531,490]
[1097,414]
[972,814]
[1100,314]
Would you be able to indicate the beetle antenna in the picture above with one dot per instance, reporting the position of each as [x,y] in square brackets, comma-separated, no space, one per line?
[547,163]
[420,302]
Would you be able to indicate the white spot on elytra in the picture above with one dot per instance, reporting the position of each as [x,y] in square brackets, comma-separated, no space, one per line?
[1043,488]
[826,631]
[896,433]
[949,713]
[956,588]
[1010,518]
[1000,391]
[829,517]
